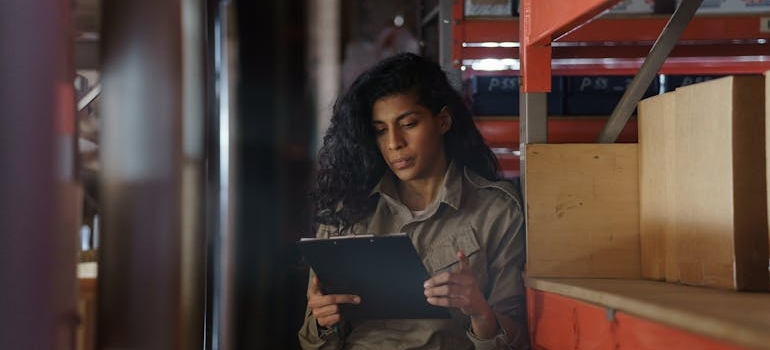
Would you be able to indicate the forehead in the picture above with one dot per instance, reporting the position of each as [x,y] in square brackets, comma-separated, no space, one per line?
[395,106]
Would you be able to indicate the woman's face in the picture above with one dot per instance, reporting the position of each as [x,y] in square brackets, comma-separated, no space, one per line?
[410,137]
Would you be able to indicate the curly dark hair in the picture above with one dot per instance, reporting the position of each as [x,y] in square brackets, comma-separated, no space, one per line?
[350,163]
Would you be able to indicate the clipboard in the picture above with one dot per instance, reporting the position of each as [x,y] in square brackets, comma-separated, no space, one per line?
[385,270]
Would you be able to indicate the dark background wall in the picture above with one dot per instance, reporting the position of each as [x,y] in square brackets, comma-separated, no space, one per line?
[273,135]
[275,125]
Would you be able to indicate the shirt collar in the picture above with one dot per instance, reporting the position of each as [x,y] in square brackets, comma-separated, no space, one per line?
[449,193]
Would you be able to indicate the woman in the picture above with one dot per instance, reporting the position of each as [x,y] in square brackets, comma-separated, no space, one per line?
[402,155]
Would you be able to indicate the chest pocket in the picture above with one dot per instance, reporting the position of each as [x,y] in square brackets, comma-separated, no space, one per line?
[443,253]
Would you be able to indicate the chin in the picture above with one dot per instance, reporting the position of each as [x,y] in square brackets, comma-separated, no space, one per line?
[404,175]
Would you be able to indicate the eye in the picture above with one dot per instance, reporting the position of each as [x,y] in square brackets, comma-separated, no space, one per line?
[409,125]
[379,131]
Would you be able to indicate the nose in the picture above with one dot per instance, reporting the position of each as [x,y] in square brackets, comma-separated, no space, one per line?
[395,139]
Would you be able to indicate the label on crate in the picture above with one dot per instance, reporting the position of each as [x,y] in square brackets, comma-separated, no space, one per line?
[676,81]
[764,25]
[603,84]
[612,85]
[491,85]
[496,85]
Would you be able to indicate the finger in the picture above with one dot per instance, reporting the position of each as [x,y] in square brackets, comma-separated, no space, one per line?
[463,261]
[329,321]
[449,301]
[326,311]
[346,299]
[319,301]
[437,301]
[440,291]
[437,280]
[449,291]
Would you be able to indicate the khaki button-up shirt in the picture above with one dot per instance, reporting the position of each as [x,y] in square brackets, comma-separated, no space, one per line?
[480,217]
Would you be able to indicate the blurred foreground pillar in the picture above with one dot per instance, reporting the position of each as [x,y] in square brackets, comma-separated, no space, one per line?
[151,260]
[38,252]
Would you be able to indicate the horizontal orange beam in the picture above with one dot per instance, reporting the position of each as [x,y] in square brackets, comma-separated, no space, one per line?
[696,66]
[625,51]
[490,30]
[550,19]
[626,29]
[502,134]
[705,28]
[504,131]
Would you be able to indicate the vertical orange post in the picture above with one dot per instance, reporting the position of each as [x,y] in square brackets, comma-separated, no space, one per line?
[535,55]
[541,23]
[458,32]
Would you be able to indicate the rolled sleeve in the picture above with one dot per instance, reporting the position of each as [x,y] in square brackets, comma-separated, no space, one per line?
[313,338]
[499,341]
[310,336]
[507,295]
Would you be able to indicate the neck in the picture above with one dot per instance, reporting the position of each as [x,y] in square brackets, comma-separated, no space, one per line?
[417,194]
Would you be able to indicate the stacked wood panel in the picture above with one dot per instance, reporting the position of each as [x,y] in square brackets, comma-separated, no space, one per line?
[703,218]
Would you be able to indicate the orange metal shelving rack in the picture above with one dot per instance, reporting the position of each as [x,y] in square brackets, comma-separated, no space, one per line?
[567,37]
[711,44]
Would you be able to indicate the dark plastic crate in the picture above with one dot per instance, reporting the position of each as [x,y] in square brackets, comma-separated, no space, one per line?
[676,81]
[490,85]
[587,104]
[508,104]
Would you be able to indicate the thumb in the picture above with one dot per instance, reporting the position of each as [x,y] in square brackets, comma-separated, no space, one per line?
[315,287]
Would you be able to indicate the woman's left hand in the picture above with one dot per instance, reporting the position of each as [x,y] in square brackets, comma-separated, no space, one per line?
[458,289]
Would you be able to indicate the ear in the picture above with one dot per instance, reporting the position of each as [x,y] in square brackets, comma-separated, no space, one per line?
[444,119]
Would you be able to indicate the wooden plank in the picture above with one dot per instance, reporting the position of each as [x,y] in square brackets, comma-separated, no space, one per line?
[86,330]
[582,210]
[721,203]
[686,317]
[657,138]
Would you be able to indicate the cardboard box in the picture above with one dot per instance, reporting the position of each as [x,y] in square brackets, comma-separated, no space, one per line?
[633,7]
[582,210]
[481,8]
[717,202]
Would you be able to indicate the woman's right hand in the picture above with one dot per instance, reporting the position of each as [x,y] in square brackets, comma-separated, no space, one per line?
[326,308]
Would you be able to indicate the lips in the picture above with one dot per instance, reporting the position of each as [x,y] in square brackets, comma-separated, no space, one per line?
[401,163]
